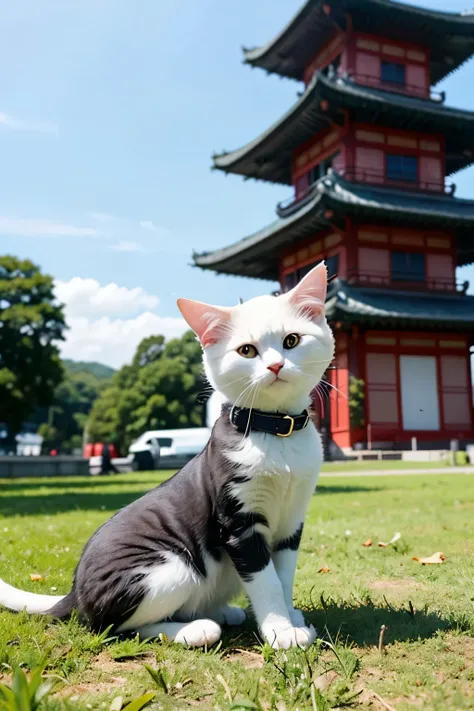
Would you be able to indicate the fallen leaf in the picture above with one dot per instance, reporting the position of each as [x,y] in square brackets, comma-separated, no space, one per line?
[324,569]
[435,558]
[35,578]
[368,543]
[395,538]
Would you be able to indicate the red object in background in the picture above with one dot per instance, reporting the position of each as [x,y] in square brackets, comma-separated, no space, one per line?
[95,450]
[54,453]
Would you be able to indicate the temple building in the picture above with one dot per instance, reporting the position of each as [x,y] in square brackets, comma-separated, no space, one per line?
[369,150]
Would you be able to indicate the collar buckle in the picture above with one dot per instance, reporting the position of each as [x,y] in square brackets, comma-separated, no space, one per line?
[292,426]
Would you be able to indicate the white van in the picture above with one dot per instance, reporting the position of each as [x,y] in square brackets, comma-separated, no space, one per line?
[176,447]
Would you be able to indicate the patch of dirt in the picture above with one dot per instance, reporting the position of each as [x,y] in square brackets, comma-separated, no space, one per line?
[97,687]
[464,646]
[416,701]
[250,660]
[396,584]
[104,662]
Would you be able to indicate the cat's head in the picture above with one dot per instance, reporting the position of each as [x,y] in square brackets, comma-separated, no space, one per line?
[270,352]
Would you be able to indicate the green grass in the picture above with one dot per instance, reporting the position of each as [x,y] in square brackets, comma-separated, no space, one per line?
[427,656]
[384,465]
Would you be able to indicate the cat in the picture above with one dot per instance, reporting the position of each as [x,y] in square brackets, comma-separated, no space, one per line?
[232,518]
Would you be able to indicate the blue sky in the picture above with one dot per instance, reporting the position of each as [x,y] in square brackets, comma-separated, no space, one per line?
[109,113]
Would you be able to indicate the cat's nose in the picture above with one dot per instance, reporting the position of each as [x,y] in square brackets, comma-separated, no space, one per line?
[275,368]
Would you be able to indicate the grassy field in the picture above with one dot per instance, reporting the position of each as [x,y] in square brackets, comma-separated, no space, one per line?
[387,465]
[426,613]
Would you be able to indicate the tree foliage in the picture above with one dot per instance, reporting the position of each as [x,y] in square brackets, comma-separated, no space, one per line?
[101,371]
[62,423]
[356,401]
[157,391]
[31,324]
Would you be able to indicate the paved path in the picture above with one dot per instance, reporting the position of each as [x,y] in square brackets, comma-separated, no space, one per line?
[402,472]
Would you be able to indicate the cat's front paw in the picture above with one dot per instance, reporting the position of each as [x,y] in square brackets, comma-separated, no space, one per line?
[297,618]
[284,638]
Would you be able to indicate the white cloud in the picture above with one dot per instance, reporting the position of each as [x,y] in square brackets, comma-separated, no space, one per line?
[124,246]
[114,341]
[93,332]
[39,227]
[18,124]
[87,297]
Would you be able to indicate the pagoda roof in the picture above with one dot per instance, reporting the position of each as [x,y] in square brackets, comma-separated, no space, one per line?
[449,35]
[375,306]
[258,255]
[269,156]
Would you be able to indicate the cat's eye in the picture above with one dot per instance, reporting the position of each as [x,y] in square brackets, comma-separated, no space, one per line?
[247,351]
[291,341]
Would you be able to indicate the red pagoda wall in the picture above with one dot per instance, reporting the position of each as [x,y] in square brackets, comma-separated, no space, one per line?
[382,375]
[361,156]
[371,262]
[377,357]
[363,56]
[367,147]
[363,255]
[360,57]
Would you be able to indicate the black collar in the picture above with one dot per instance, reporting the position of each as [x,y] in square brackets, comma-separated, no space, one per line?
[246,420]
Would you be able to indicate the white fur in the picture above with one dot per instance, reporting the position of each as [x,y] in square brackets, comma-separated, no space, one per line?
[175,590]
[264,322]
[15,599]
[284,472]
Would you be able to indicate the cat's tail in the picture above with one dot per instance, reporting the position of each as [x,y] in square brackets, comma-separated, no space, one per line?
[59,606]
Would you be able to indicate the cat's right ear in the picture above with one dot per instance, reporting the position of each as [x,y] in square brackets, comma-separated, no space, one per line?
[309,295]
[209,323]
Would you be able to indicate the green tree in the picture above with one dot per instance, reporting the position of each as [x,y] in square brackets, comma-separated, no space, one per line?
[356,401]
[148,351]
[49,435]
[31,324]
[157,391]
[72,402]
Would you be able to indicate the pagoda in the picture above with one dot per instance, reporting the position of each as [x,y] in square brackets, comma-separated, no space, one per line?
[368,149]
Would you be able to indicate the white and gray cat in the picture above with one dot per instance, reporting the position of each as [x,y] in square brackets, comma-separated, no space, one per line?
[232,518]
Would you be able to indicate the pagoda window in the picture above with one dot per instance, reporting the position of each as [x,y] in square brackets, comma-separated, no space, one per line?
[408,266]
[393,73]
[400,167]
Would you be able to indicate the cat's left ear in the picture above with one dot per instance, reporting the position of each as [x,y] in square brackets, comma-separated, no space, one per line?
[309,295]
[209,323]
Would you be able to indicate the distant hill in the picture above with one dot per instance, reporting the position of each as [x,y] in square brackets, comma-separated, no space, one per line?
[102,372]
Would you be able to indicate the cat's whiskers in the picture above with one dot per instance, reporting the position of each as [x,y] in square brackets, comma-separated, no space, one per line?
[309,378]
[312,362]
[251,407]
[330,385]
[226,385]
[243,394]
